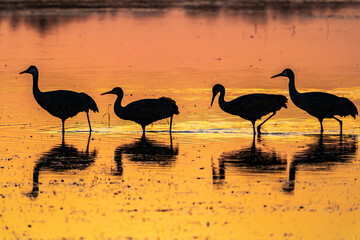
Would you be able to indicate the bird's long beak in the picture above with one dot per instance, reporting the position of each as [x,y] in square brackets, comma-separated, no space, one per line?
[277,75]
[109,92]
[24,72]
[212,101]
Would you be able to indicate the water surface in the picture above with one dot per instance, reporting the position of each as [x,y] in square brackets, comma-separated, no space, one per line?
[210,179]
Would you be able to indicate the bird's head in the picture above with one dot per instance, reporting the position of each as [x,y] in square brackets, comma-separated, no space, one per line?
[32,70]
[117,91]
[216,89]
[286,73]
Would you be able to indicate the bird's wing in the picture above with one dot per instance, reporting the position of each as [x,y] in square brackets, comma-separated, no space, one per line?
[319,104]
[255,105]
[62,103]
[146,111]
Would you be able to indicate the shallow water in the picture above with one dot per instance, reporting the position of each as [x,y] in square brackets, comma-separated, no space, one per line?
[210,179]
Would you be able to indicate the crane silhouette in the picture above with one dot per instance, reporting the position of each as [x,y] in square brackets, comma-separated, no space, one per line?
[144,111]
[61,103]
[250,107]
[319,104]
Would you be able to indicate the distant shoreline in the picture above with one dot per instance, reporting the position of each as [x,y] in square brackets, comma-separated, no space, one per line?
[165,4]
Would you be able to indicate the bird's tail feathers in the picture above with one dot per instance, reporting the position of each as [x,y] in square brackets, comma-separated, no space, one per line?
[171,103]
[282,100]
[88,102]
[348,108]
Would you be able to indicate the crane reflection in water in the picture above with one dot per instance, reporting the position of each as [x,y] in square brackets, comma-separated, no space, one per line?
[146,152]
[321,155]
[251,159]
[61,158]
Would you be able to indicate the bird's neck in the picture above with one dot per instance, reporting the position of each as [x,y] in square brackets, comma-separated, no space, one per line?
[36,90]
[117,106]
[292,89]
[222,102]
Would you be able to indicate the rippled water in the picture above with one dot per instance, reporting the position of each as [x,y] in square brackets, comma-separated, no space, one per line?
[210,179]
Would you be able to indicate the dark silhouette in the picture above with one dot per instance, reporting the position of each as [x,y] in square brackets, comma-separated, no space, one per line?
[250,107]
[61,158]
[254,159]
[322,154]
[144,111]
[146,151]
[319,104]
[61,103]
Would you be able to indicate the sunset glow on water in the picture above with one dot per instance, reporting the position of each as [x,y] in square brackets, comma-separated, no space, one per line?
[210,179]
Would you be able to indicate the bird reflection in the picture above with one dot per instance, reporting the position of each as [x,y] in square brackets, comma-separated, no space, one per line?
[322,154]
[146,151]
[253,159]
[61,158]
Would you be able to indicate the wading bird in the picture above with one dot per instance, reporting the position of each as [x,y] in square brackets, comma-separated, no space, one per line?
[250,107]
[319,104]
[61,103]
[144,111]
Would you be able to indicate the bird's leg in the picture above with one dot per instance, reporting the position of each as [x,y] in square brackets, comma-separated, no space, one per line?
[87,114]
[143,128]
[322,129]
[171,118]
[253,124]
[340,124]
[259,126]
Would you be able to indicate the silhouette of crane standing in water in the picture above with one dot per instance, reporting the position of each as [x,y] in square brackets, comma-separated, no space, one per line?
[144,111]
[319,104]
[61,103]
[250,107]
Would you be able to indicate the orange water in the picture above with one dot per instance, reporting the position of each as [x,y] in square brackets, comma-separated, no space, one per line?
[207,182]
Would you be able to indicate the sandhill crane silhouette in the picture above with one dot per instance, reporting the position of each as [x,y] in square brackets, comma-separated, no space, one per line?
[61,103]
[61,158]
[250,107]
[319,104]
[144,111]
[322,154]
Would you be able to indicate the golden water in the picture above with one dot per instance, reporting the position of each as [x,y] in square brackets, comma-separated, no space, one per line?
[207,181]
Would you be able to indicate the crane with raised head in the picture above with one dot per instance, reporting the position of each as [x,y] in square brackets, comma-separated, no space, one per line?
[61,103]
[319,104]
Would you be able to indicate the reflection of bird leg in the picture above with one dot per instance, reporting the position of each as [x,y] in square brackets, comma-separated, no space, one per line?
[171,118]
[259,126]
[321,125]
[143,128]
[87,114]
[290,185]
[119,165]
[340,140]
[63,139]
[253,148]
[253,124]
[35,190]
[63,127]
[142,139]
[340,122]
[171,143]
[88,144]
[219,176]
